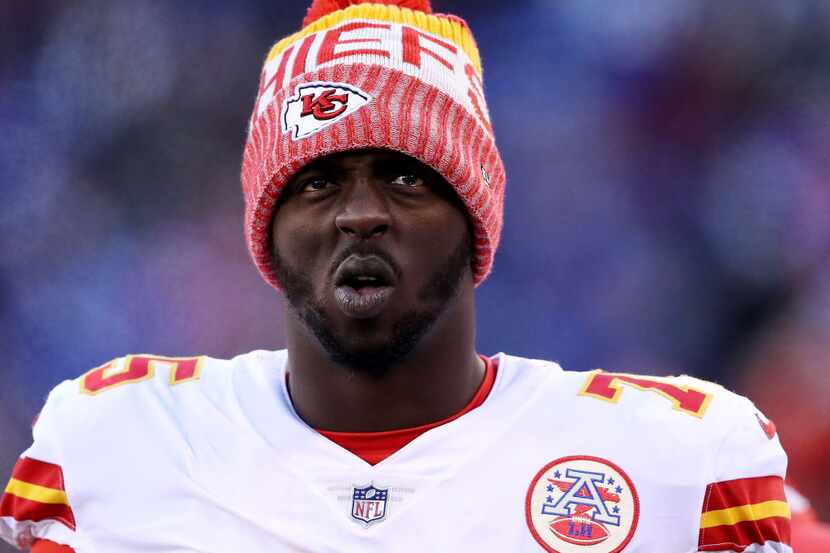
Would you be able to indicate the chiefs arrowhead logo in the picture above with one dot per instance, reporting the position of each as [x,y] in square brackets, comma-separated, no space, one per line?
[317,105]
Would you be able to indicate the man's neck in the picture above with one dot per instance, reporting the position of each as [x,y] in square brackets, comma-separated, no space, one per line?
[434,382]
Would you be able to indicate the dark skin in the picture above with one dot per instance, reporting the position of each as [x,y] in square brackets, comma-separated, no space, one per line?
[413,360]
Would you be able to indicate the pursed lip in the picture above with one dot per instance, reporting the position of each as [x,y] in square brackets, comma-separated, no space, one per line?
[371,266]
[363,286]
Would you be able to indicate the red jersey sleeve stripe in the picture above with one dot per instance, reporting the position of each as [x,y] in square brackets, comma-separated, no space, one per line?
[742,512]
[40,473]
[744,491]
[738,537]
[36,492]
[46,546]
[25,509]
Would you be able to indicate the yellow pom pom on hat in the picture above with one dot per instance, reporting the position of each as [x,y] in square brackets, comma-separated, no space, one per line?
[374,74]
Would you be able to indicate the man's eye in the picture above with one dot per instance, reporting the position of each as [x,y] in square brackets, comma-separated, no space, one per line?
[314,185]
[408,179]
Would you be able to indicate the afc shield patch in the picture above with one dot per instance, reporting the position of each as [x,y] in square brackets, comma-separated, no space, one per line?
[369,504]
[317,105]
[582,503]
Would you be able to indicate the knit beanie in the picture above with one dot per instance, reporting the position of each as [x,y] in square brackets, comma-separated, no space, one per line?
[384,74]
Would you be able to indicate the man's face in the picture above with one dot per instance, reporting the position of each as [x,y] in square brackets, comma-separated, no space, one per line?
[370,248]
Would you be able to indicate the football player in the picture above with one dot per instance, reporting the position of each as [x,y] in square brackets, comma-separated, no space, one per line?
[374,193]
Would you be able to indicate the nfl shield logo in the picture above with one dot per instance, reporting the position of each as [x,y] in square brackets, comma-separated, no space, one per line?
[369,504]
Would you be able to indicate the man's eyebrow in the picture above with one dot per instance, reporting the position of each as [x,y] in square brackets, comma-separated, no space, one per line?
[385,164]
[314,166]
[390,164]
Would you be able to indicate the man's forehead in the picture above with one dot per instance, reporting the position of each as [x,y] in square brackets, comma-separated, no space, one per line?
[373,158]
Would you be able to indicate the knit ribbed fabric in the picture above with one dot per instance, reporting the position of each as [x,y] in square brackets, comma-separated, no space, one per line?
[374,76]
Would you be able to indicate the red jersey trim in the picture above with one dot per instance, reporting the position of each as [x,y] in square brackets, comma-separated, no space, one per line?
[40,473]
[47,546]
[36,492]
[744,491]
[738,537]
[374,447]
[742,512]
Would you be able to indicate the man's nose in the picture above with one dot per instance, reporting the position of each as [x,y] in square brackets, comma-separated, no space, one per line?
[364,212]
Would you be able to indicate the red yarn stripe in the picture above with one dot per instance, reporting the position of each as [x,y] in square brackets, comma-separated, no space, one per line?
[352,76]
[455,134]
[373,78]
[396,116]
[426,119]
[738,537]
[406,110]
[302,53]
[443,129]
[386,95]
[279,76]
[744,491]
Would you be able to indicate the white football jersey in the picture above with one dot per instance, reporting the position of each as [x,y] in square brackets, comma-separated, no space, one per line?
[149,453]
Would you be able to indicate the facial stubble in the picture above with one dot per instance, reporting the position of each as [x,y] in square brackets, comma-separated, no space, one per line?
[407,332]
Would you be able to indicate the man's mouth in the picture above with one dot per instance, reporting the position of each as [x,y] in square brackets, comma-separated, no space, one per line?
[363,285]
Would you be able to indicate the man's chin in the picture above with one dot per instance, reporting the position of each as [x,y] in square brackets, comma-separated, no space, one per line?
[370,346]
[375,363]
[380,338]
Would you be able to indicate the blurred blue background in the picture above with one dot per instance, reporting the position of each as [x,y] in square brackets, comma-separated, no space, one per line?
[667,208]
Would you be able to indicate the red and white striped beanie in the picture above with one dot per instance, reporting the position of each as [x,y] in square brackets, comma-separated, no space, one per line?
[374,74]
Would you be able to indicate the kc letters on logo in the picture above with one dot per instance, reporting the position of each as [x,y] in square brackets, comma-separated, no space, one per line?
[317,105]
[582,503]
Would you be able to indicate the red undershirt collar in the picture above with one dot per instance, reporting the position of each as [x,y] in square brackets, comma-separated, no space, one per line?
[374,447]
